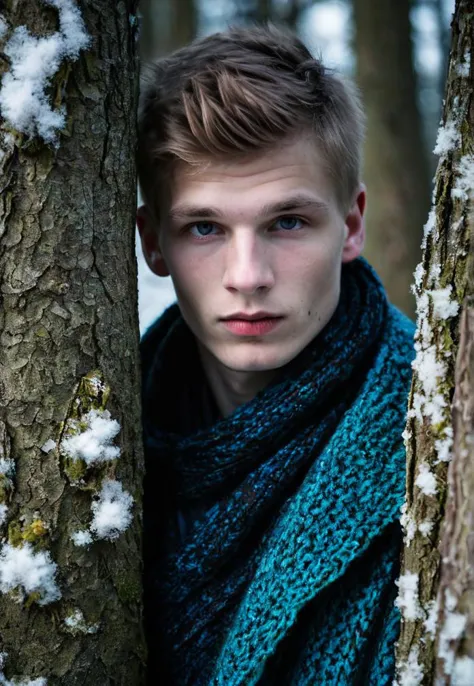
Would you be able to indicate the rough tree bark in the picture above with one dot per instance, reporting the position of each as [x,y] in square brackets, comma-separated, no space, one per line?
[436,597]
[69,345]
[395,166]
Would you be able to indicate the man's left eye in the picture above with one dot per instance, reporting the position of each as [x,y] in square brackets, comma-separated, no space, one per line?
[289,223]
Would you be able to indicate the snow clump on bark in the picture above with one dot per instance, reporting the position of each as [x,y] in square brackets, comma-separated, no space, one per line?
[34,572]
[33,63]
[94,443]
[112,511]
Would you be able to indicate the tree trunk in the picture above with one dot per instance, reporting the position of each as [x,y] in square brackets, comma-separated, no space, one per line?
[69,367]
[437,585]
[395,169]
[166,26]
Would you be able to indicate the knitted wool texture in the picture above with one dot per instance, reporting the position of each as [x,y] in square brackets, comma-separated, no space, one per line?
[289,575]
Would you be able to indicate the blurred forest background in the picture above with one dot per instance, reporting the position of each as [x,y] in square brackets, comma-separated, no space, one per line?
[397,52]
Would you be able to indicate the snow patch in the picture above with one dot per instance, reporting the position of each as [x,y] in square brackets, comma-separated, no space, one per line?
[410,672]
[425,527]
[32,571]
[3,513]
[463,70]
[7,466]
[77,623]
[33,63]
[444,445]
[464,185]
[448,138]
[48,446]
[463,672]
[443,306]
[94,443]
[427,231]
[431,620]
[81,538]
[112,511]
[408,524]
[452,630]
[407,601]
[426,480]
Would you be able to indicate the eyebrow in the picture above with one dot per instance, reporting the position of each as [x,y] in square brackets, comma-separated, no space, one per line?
[296,202]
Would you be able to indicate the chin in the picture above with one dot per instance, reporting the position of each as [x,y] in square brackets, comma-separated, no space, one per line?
[255,361]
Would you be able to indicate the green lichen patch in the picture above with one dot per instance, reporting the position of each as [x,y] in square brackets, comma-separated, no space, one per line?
[35,533]
[75,469]
[92,393]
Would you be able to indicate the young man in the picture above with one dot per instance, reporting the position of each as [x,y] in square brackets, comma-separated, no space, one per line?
[275,391]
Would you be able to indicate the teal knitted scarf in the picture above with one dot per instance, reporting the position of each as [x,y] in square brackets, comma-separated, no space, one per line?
[287,574]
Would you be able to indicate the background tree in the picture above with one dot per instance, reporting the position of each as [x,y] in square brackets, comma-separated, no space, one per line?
[395,162]
[70,571]
[437,582]
[166,25]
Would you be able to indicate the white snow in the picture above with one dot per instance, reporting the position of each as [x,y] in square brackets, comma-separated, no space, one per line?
[431,620]
[430,371]
[411,672]
[450,600]
[112,511]
[448,138]
[463,672]
[463,70]
[33,63]
[464,185]
[443,445]
[425,527]
[429,366]
[427,230]
[81,538]
[407,601]
[49,445]
[24,682]
[452,630]
[426,480]
[408,524]
[7,466]
[32,571]
[77,622]
[443,306]
[94,444]
[3,513]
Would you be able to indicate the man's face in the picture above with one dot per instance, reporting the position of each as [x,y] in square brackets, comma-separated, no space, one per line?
[264,237]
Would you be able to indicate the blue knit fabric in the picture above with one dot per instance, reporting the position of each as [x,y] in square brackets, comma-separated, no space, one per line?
[351,497]
[289,575]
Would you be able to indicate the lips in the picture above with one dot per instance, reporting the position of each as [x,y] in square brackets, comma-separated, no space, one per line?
[257,324]
[252,317]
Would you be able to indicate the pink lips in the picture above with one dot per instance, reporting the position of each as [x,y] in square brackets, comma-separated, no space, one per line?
[257,324]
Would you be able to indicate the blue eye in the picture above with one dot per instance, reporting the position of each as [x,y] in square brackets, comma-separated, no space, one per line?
[288,223]
[202,229]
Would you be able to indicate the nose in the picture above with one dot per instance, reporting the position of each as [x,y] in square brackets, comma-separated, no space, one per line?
[247,265]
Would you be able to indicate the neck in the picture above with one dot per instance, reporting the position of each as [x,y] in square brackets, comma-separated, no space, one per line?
[232,388]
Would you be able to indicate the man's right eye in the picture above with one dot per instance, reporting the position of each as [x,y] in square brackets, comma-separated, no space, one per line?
[202,229]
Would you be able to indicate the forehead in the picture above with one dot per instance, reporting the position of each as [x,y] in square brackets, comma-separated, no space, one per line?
[292,167]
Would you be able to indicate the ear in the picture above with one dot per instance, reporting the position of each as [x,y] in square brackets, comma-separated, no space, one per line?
[149,236]
[355,228]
